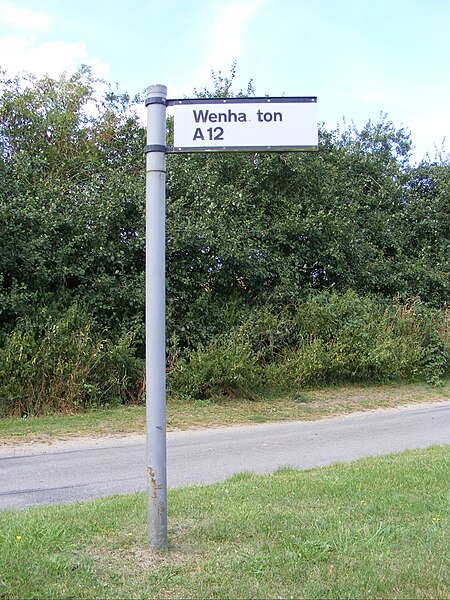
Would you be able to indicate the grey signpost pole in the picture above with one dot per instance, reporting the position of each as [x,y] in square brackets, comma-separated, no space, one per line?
[293,126]
[155,346]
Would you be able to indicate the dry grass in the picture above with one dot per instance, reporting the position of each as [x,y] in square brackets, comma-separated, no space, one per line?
[304,405]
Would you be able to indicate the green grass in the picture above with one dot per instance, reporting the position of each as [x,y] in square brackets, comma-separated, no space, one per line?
[271,406]
[375,528]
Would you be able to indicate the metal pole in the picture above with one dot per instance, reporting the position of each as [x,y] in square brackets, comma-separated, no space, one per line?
[155,301]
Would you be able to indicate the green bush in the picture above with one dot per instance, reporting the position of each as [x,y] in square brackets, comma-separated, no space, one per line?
[225,367]
[436,343]
[344,338]
[329,338]
[64,367]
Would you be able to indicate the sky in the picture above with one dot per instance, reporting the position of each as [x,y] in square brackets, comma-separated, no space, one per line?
[361,58]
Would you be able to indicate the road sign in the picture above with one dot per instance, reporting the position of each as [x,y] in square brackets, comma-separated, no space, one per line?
[244,124]
[211,125]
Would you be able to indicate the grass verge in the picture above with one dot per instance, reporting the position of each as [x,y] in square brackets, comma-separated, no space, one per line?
[272,406]
[374,528]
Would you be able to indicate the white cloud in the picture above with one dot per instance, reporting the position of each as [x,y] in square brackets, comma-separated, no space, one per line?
[48,57]
[23,18]
[25,46]
[227,34]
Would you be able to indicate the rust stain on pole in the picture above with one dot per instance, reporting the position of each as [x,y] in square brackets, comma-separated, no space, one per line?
[153,483]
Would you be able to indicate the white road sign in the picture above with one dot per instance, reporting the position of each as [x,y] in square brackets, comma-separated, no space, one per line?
[244,124]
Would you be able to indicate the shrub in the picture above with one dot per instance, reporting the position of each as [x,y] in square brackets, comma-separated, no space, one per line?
[329,338]
[225,367]
[65,367]
[344,338]
[436,345]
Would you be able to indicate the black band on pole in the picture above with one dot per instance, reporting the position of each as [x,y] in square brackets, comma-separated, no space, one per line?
[155,100]
[155,148]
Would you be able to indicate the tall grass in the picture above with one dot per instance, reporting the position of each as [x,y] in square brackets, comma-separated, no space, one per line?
[66,365]
[347,338]
[327,339]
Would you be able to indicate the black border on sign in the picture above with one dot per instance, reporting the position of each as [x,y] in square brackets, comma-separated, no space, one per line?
[252,100]
[282,99]
[210,149]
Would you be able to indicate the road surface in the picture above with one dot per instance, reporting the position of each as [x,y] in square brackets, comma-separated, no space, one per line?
[86,469]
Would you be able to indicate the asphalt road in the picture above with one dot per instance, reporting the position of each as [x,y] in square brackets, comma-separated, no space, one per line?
[81,470]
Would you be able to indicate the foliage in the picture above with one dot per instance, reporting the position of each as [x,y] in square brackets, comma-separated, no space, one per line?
[225,367]
[71,206]
[344,338]
[247,234]
[64,366]
[250,229]
[328,338]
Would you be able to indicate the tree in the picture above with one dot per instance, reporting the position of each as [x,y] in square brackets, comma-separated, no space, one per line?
[243,230]
[71,208]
